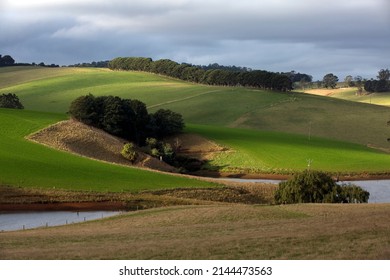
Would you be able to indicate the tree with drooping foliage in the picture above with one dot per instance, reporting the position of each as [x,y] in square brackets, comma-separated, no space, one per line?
[317,187]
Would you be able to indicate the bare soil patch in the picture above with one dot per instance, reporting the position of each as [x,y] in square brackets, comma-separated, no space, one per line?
[87,141]
[195,146]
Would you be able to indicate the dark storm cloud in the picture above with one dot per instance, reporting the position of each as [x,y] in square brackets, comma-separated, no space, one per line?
[346,37]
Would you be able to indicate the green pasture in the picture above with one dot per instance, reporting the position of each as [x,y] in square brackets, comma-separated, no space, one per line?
[27,164]
[52,90]
[54,93]
[290,116]
[277,152]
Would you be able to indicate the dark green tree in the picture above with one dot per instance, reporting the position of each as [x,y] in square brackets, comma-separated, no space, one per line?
[85,109]
[384,75]
[6,60]
[317,187]
[165,122]
[10,100]
[140,121]
[118,117]
[330,80]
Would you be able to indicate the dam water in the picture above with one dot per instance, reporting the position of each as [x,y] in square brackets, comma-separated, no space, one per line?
[27,220]
[379,193]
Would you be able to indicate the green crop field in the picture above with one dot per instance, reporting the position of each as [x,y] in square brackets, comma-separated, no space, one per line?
[24,163]
[340,130]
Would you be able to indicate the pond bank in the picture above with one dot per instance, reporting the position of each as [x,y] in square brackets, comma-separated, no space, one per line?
[67,206]
[281,177]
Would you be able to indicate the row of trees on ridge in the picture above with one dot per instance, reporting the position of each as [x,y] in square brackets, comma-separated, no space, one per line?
[188,72]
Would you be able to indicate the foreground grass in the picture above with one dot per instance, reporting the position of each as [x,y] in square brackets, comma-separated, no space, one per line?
[216,231]
[276,152]
[23,163]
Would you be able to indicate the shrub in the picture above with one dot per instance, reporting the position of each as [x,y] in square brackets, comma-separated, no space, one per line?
[152,142]
[317,187]
[129,153]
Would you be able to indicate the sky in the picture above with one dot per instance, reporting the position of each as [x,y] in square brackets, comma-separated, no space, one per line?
[317,37]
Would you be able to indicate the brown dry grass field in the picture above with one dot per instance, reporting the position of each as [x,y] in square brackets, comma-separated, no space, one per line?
[327,91]
[215,231]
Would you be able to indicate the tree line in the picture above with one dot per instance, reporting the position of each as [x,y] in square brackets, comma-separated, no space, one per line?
[7,60]
[125,118]
[220,77]
[382,84]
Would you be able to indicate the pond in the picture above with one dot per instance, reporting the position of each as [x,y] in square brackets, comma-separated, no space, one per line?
[28,220]
[379,189]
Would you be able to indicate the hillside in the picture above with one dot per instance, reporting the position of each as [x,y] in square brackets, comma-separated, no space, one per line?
[199,104]
[27,164]
[80,139]
[215,231]
[376,98]
[298,116]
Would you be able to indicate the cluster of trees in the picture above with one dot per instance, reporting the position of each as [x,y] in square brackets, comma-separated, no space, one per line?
[125,118]
[6,60]
[188,72]
[382,84]
[297,77]
[216,66]
[10,100]
[318,187]
[93,64]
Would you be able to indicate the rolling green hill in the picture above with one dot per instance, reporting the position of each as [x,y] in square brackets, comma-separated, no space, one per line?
[263,114]
[52,90]
[27,164]
[282,153]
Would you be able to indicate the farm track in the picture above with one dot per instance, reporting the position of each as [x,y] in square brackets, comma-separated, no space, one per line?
[181,99]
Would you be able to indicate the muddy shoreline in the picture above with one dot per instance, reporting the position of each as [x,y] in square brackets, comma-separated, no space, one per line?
[221,175]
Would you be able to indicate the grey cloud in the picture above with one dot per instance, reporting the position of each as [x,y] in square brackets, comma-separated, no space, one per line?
[311,36]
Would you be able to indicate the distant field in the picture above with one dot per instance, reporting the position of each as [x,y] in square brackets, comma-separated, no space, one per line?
[27,164]
[276,152]
[382,98]
[52,90]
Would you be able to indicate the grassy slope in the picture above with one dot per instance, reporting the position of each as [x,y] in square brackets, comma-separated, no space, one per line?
[278,152]
[227,231]
[28,164]
[378,98]
[229,107]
